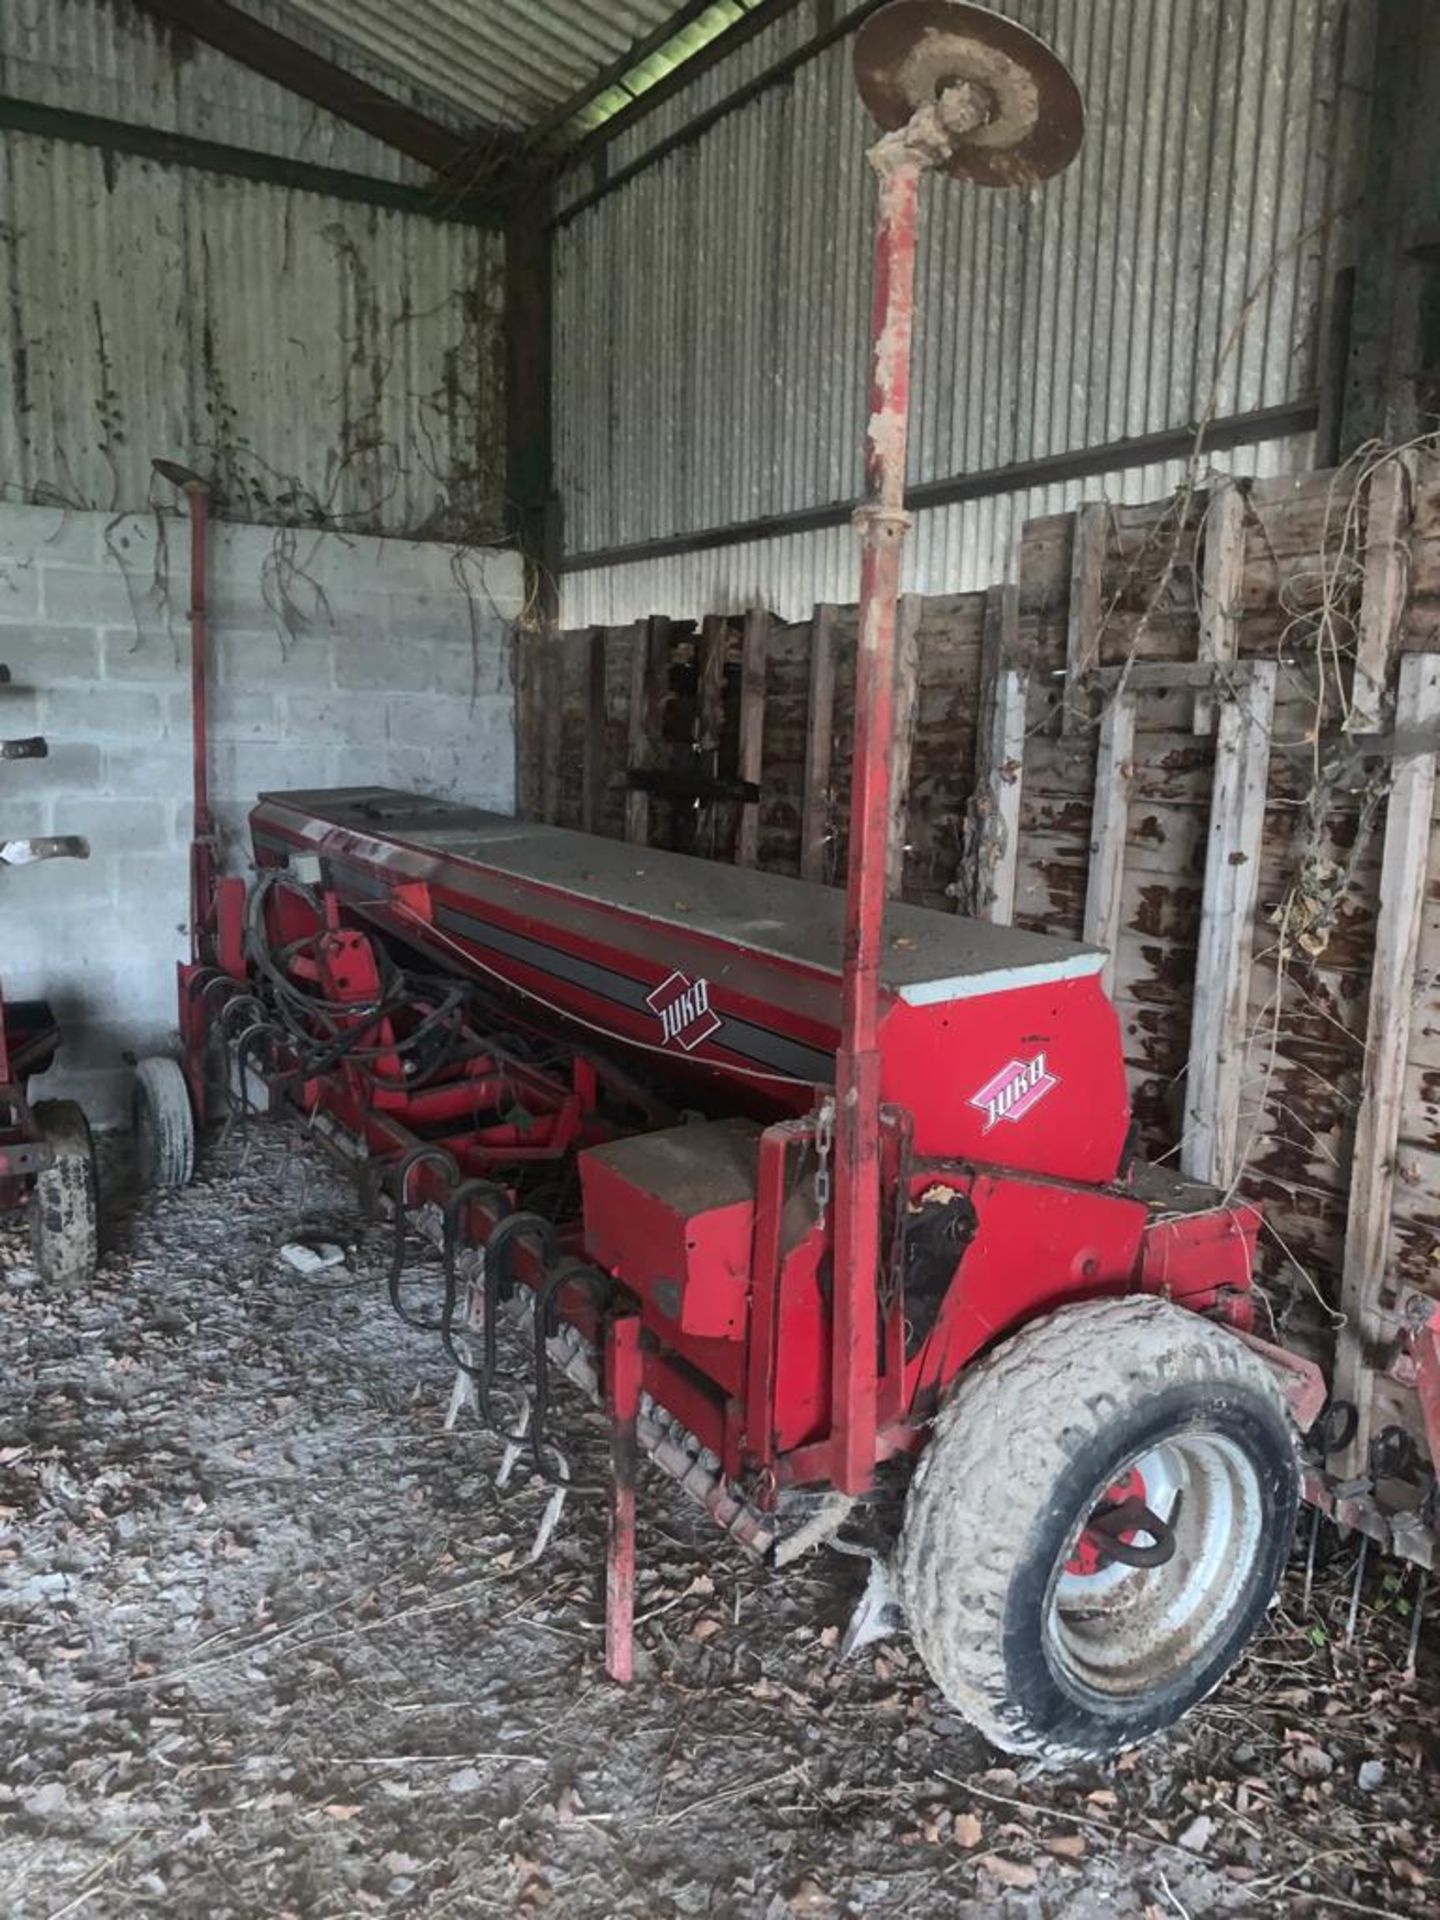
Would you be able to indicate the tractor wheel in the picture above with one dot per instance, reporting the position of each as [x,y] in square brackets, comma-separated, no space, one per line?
[1028,1595]
[65,1200]
[164,1125]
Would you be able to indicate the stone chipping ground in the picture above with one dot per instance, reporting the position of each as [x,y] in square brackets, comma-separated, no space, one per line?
[272,1645]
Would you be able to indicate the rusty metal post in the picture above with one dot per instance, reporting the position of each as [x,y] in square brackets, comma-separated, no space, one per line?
[882,523]
[899,159]
[198,500]
[966,92]
[202,832]
[623,1375]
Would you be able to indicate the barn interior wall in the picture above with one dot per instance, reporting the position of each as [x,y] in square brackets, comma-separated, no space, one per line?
[337,660]
[333,366]
[322,359]
[1316,561]
[712,308]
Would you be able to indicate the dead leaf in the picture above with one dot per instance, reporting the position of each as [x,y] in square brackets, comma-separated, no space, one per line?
[828,1636]
[1066,1846]
[338,1810]
[705,1629]
[1407,1871]
[811,1898]
[967,1830]
[1010,1873]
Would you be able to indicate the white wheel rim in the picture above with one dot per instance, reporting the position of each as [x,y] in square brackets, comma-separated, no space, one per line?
[1126,1630]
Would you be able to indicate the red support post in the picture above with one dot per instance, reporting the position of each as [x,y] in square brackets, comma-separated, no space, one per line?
[622,1404]
[202,832]
[198,498]
[882,523]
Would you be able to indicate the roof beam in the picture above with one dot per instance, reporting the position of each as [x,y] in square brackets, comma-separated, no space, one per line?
[291,65]
[634,55]
[244,163]
[730,41]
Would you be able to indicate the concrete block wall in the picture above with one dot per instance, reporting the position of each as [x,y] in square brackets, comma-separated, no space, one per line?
[335,660]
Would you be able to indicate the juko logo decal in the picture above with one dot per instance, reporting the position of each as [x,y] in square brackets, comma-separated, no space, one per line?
[684,1011]
[1019,1086]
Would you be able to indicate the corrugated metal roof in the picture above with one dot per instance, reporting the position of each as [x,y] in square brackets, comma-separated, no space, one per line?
[712,312]
[505,65]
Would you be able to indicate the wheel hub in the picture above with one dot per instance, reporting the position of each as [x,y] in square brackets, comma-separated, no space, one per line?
[1132,1604]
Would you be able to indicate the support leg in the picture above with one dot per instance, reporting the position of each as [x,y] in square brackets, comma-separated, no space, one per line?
[622,1403]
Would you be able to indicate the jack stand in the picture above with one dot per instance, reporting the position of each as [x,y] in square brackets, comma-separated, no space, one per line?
[622,1403]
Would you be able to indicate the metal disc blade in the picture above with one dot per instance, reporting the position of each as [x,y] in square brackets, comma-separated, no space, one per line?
[910,51]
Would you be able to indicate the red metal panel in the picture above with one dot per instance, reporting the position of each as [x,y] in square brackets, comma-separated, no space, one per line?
[1031,1078]
[1038,1245]
[760,1398]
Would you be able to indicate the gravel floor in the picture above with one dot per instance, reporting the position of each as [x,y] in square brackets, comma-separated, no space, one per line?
[272,1644]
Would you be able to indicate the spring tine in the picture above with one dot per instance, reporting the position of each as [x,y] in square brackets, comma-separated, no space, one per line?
[1310,1551]
[1358,1583]
[567,1273]
[554,1507]
[246,1043]
[515,1445]
[400,1176]
[462,1394]
[498,1200]
[499,1281]
[1412,1649]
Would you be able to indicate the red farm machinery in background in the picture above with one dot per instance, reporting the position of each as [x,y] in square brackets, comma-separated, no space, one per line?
[47,1160]
[812,1190]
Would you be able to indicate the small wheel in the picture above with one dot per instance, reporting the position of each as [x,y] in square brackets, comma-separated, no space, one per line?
[1098,1525]
[65,1200]
[164,1125]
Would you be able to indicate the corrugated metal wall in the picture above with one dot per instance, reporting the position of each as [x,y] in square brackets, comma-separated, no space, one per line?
[112,58]
[712,311]
[324,360]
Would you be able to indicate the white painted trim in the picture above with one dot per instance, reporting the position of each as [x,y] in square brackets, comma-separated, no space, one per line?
[929,993]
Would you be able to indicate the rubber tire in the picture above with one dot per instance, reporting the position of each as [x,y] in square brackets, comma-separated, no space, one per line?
[65,1199]
[164,1124]
[1030,1435]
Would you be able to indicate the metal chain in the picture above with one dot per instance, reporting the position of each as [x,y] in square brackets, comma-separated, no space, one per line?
[824,1142]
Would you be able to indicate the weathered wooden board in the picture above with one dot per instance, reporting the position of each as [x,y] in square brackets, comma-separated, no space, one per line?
[783,748]
[1278,573]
